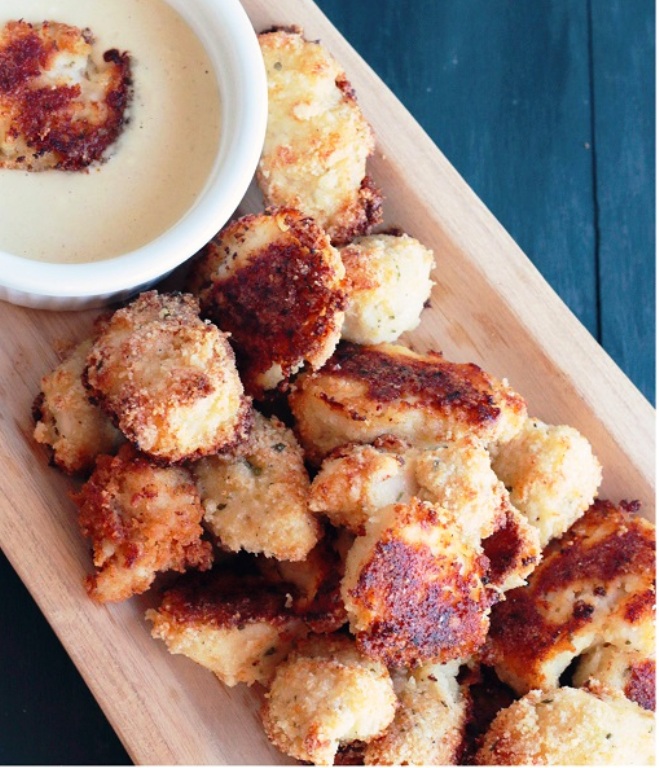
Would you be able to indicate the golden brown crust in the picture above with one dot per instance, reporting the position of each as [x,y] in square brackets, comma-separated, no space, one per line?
[276,284]
[238,626]
[363,392]
[168,379]
[47,118]
[75,430]
[413,589]
[317,140]
[141,519]
[595,584]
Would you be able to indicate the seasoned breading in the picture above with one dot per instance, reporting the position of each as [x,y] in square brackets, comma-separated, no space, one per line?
[552,474]
[389,283]
[324,695]
[317,140]
[594,585]
[239,627]
[429,725]
[141,519]
[570,727]
[413,587]
[458,476]
[256,499]
[624,670]
[276,284]
[357,480]
[168,379]
[363,392]
[75,430]
[60,106]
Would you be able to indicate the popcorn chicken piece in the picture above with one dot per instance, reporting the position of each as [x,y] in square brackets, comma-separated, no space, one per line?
[75,430]
[389,284]
[60,106]
[276,284]
[141,519]
[355,481]
[317,139]
[239,627]
[552,474]
[594,585]
[256,499]
[430,721]
[624,670]
[324,695]
[168,379]
[413,587]
[458,476]
[570,727]
[365,392]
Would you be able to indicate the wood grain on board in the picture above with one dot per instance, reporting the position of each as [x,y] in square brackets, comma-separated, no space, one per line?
[491,305]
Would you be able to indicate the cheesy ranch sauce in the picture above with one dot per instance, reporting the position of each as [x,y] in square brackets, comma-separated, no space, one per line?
[158,165]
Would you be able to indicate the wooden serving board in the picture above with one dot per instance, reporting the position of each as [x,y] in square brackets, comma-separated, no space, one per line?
[489,306]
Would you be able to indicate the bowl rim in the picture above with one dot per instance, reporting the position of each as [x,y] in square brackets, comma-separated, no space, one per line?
[231,43]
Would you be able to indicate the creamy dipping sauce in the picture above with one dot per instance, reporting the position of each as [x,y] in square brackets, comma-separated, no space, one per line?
[160,162]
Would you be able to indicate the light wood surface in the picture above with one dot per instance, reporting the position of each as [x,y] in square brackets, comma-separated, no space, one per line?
[489,306]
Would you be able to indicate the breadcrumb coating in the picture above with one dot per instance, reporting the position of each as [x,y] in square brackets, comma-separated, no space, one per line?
[75,430]
[628,671]
[239,627]
[363,392]
[429,725]
[594,585]
[317,140]
[357,480]
[413,587]
[389,283]
[60,106]
[256,499]
[168,379]
[274,281]
[324,695]
[141,519]
[570,727]
[552,473]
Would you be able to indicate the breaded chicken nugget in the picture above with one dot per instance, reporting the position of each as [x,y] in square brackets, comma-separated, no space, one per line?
[413,587]
[552,473]
[317,140]
[141,519]
[324,695]
[73,428]
[430,721]
[60,106]
[276,284]
[624,670]
[594,585]
[389,284]
[239,627]
[168,379]
[356,480]
[570,727]
[363,392]
[257,498]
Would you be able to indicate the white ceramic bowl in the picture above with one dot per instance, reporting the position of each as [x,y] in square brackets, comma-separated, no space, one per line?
[227,34]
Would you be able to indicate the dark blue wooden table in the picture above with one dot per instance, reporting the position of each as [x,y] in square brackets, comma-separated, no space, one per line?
[546,107]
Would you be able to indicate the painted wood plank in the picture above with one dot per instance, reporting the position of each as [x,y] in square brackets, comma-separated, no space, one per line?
[623,44]
[502,88]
